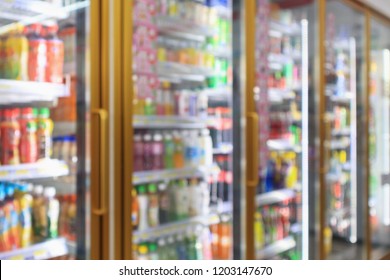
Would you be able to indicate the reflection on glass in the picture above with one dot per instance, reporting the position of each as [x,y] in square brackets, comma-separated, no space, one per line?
[344,87]
[282,106]
[379,199]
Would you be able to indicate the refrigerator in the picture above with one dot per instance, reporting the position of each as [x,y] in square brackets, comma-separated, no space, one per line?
[378,139]
[54,137]
[178,130]
[277,112]
[343,175]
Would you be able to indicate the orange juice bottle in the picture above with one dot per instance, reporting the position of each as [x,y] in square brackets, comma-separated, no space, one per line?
[45,129]
[10,138]
[16,55]
[178,156]
[36,53]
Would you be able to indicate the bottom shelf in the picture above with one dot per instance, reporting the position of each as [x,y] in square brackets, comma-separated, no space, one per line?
[276,248]
[42,251]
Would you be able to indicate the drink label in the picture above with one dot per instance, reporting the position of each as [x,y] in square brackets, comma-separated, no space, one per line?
[37,60]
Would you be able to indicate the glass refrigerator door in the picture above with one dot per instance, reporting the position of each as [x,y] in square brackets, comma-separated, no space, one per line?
[181,193]
[43,144]
[344,88]
[281,100]
[379,200]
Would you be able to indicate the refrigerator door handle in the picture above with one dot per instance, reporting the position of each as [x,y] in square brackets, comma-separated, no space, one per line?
[103,116]
[252,178]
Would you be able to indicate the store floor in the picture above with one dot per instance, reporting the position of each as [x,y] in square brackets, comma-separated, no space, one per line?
[346,251]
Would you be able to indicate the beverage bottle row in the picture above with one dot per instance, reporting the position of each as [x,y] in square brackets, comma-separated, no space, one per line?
[25,135]
[168,102]
[285,44]
[190,11]
[28,214]
[32,53]
[272,223]
[160,203]
[172,149]
[288,77]
[281,171]
[194,243]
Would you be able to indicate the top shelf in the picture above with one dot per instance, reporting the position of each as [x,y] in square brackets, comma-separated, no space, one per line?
[27,12]
[180,28]
[19,93]
[287,29]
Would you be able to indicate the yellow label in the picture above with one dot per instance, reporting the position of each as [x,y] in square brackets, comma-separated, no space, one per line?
[17,257]
[21,172]
[40,253]
[3,173]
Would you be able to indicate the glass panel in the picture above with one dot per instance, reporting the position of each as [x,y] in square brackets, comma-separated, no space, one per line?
[379,200]
[282,102]
[43,103]
[344,111]
[182,196]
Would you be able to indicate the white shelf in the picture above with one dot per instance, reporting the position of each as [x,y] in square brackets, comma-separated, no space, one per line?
[142,177]
[274,197]
[172,228]
[223,149]
[140,121]
[178,72]
[276,95]
[41,251]
[26,12]
[219,92]
[276,248]
[41,169]
[283,145]
[343,143]
[181,28]
[14,92]
[288,29]
[341,132]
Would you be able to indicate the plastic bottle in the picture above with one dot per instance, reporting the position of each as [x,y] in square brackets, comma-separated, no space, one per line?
[53,211]
[214,241]
[182,200]
[39,214]
[28,140]
[202,104]
[181,247]
[206,244]
[4,225]
[206,156]
[37,53]
[153,210]
[12,214]
[163,203]
[143,252]
[148,152]
[225,240]
[63,225]
[2,58]
[54,55]
[25,207]
[195,198]
[161,249]
[169,151]
[205,202]
[179,161]
[16,55]
[134,209]
[72,217]
[44,133]
[138,153]
[171,250]
[153,255]
[157,152]
[10,138]
[143,208]
[259,231]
